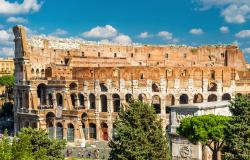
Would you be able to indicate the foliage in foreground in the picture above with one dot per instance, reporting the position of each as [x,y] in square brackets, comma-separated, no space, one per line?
[138,134]
[31,144]
[209,130]
[238,133]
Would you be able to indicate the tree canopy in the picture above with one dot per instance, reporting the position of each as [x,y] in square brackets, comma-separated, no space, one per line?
[209,130]
[138,134]
[238,132]
[7,80]
[32,144]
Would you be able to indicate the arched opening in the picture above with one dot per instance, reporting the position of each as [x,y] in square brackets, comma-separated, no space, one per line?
[128,97]
[104,128]
[92,131]
[212,74]
[142,97]
[155,87]
[41,93]
[92,101]
[104,104]
[116,102]
[156,102]
[212,87]
[59,130]
[103,87]
[32,71]
[59,99]
[50,117]
[73,86]
[212,98]
[48,72]
[70,133]
[170,100]
[50,96]
[37,72]
[226,97]
[81,99]
[198,98]
[184,99]
[73,99]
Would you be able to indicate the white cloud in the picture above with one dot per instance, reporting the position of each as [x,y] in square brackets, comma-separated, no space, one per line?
[224,29]
[122,39]
[233,11]
[101,32]
[6,52]
[59,32]
[17,20]
[243,34]
[6,37]
[144,35]
[246,50]
[168,36]
[8,8]
[196,31]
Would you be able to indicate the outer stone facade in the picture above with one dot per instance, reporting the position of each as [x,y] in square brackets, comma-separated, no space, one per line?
[75,88]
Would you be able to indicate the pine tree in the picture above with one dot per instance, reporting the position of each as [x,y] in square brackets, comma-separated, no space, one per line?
[238,133]
[138,134]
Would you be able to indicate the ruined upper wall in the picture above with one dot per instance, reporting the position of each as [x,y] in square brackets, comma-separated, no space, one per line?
[49,51]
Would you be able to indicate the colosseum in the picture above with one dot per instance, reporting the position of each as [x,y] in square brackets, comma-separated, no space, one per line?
[74,89]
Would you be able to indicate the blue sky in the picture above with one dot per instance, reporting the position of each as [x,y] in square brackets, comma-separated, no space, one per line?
[191,22]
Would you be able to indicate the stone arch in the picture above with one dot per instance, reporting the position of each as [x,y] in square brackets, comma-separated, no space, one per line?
[212,98]
[32,71]
[128,97]
[81,99]
[50,98]
[41,93]
[70,133]
[92,131]
[184,99]
[104,129]
[155,87]
[59,99]
[103,87]
[73,86]
[226,97]
[156,102]
[59,130]
[142,97]
[170,100]
[73,97]
[212,86]
[48,72]
[198,98]
[104,103]
[92,101]
[116,102]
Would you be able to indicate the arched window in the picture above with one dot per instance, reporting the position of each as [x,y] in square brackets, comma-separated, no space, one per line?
[92,101]
[103,87]
[81,99]
[70,133]
[198,98]
[226,97]
[92,130]
[142,97]
[128,97]
[48,72]
[104,128]
[212,87]
[104,104]
[212,74]
[156,102]
[41,93]
[37,72]
[49,123]
[212,98]
[59,99]
[116,102]
[50,99]
[32,71]
[73,86]
[155,87]
[183,99]
[73,99]
[59,131]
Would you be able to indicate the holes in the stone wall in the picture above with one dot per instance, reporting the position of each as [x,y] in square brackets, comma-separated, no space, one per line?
[149,55]
[212,74]
[99,54]
[83,54]
[142,76]
[66,61]
[222,55]
[166,55]
[115,55]
[185,55]
[131,55]
[32,71]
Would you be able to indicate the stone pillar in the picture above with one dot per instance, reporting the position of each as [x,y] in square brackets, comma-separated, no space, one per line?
[97,103]
[98,128]
[65,127]
[54,100]
[205,85]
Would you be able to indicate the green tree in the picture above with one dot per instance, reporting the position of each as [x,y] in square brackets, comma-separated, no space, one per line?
[5,147]
[8,81]
[209,130]
[238,133]
[138,134]
[36,144]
